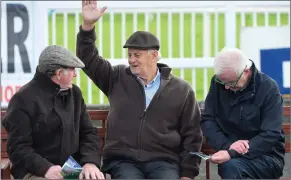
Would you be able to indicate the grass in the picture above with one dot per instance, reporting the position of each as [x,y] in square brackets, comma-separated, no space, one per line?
[187,52]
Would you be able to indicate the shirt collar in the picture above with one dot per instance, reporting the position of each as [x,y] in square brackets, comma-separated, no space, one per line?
[154,80]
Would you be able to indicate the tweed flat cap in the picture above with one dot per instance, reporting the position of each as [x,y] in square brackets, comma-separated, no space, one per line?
[142,40]
[57,55]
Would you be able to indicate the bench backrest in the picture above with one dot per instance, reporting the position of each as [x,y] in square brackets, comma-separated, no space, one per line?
[99,118]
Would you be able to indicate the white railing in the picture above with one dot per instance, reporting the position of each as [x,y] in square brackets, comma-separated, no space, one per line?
[190,35]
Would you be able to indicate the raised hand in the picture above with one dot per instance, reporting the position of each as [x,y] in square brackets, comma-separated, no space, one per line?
[91,13]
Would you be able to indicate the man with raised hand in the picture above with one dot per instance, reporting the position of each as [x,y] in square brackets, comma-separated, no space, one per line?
[243,119]
[154,118]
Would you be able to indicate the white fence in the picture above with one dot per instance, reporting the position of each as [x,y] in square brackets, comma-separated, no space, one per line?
[190,33]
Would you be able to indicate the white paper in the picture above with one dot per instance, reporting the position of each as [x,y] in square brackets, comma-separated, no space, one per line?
[70,167]
[203,156]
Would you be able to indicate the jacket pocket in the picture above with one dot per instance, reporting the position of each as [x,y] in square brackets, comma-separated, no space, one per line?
[250,117]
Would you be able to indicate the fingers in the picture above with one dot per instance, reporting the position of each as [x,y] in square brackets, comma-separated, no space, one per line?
[94,2]
[240,146]
[60,176]
[103,9]
[81,175]
[246,144]
[100,175]
[214,160]
[84,3]
[88,2]
[93,175]
[241,149]
[87,175]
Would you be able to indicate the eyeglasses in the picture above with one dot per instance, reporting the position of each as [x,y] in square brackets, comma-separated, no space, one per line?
[233,84]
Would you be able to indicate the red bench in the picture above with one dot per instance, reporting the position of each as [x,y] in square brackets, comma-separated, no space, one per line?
[99,118]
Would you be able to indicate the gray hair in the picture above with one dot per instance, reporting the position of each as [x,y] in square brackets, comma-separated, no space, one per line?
[159,54]
[231,58]
[49,70]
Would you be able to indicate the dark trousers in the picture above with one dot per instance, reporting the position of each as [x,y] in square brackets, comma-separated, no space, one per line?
[120,169]
[264,167]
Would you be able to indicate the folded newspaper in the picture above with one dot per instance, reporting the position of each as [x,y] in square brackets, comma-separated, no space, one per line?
[71,169]
[203,156]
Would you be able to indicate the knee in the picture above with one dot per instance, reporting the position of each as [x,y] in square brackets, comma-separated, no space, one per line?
[230,170]
[126,171]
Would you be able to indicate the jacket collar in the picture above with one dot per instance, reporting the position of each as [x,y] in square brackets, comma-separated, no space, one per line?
[48,85]
[254,81]
[164,69]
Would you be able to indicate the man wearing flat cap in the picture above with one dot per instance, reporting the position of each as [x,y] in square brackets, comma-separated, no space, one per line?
[47,122]
[154,119]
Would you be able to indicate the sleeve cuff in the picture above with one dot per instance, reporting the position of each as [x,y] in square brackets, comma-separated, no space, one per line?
[189,173]
[87,35]
[232,153]
[43,168]
[94,160]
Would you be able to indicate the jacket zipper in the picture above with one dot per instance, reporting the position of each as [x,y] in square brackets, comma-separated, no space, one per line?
[141,117]
[145,111]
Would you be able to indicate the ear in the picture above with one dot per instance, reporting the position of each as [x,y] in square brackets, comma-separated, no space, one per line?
[155,54]
[58,74]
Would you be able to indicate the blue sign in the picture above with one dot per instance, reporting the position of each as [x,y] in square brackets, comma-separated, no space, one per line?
[272,62]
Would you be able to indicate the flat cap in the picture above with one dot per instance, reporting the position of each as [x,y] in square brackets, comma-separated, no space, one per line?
[57,55]
[142,40]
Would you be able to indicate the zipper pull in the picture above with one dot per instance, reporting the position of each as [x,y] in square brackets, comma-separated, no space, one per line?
[143,113]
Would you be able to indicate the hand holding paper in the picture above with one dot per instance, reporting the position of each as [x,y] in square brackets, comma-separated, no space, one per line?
[203,156]
[71,169]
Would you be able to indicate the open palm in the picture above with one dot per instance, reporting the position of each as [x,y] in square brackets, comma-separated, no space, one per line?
[90,12]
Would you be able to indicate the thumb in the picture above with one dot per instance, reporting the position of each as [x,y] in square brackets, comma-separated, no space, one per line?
[103,9]
[58,167]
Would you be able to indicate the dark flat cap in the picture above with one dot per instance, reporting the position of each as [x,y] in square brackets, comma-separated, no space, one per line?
[57,55]
[142,40]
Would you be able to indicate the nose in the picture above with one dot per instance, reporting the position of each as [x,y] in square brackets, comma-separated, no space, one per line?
[75,73]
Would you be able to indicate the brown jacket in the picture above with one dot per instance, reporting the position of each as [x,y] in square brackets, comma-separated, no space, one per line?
[168,129]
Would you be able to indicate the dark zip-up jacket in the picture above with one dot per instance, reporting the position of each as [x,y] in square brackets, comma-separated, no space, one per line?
[46,126]
[254,114]
[168,129]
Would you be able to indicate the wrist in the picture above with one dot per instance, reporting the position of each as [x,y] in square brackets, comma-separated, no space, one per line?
[87,26]
[232,153]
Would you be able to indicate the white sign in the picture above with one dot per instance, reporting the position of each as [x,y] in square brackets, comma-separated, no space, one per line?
[269,48]
[23,38]
[254,39]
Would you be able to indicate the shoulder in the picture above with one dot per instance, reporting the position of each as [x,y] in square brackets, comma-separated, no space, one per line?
[181,84]
[25,94]
[267,83]
[77,91]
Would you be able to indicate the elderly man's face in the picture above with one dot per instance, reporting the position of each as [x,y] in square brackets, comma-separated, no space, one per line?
[66,77]
[141,61]
[232,81]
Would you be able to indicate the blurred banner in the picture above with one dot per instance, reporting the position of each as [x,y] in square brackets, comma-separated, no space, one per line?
[269,48]
[20,45]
